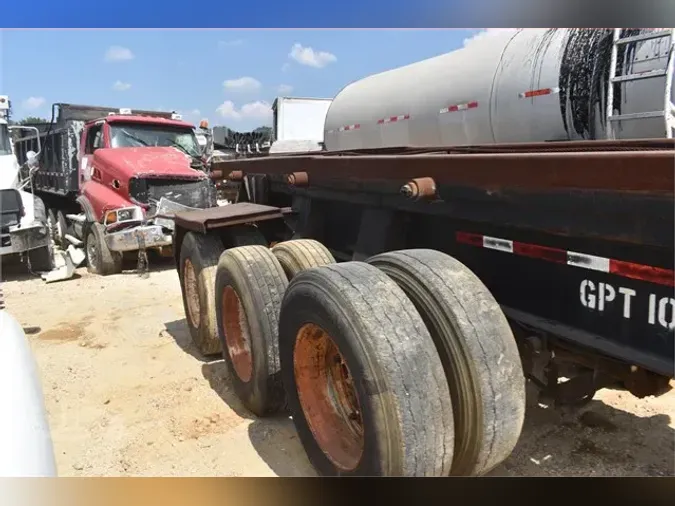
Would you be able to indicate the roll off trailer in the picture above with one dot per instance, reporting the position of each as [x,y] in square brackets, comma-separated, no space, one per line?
[395,296]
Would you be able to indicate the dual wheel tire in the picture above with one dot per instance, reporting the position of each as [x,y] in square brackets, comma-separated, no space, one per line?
[401,366]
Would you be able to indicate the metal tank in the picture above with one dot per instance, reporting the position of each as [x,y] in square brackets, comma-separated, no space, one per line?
[525,85]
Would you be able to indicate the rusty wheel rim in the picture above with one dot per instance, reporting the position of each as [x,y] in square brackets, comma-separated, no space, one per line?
[328,397]
[237,334]
[191,293]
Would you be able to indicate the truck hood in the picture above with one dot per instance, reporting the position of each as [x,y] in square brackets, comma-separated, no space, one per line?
[159,162]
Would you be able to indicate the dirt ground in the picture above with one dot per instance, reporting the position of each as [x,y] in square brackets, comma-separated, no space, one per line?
[128,395]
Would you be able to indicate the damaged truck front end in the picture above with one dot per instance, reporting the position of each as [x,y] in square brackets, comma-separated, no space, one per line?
[149,223]
[113,179]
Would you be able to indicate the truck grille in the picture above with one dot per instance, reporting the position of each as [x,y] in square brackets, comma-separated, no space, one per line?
[11,208]
[200,194]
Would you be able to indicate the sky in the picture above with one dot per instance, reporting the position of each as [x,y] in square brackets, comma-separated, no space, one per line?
[230,77]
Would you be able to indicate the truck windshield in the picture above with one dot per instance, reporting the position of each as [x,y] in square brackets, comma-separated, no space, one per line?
[133,135]
[5,141]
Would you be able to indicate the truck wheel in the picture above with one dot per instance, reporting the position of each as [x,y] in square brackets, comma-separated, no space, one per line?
[198,263]
[301,254]
[478,351]
[363,380]
[250,284]
[41,259]
[60,228]
[100,260]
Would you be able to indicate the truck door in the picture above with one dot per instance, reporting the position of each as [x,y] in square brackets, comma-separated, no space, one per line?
[92,139]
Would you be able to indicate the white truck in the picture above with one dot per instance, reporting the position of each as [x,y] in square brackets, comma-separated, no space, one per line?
[298,124]
[23,219]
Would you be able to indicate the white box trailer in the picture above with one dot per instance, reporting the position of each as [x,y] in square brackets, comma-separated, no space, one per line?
[298,123]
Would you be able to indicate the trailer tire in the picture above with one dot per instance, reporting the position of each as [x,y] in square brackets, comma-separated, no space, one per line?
[199,255]
[250,284]
[349,320]
[100,260]
[478,350]
[301,254]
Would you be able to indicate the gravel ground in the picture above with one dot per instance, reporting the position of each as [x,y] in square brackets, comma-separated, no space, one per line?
[128,395]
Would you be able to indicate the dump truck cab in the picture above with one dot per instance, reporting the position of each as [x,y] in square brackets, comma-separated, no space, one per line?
[134,171]
[112,179]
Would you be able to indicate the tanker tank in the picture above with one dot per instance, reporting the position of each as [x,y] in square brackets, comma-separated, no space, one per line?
[521,85]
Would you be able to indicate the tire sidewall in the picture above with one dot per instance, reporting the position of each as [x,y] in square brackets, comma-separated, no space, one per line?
[253,392]
[62,223]
[91,234]
[297,310]
[187,247]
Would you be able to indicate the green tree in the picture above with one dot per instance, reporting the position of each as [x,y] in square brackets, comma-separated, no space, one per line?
[31,119]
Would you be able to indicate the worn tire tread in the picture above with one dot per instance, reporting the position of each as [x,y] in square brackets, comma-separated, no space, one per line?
[403,356]
[301,254]
[110,261]
[257,268]
[204,251]
[479,352]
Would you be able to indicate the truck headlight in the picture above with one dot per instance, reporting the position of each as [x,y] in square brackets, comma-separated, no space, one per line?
[122,215]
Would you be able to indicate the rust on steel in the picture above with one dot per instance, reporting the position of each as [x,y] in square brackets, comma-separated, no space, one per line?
[328,397]
[644,170]
[298,179]
[237,334]
[235,175]
[419,188]
[203,220]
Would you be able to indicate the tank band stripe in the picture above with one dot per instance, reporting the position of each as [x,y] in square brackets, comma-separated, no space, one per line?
[345,128]
[393,119]
[572,258]
[459,107]
[538,93]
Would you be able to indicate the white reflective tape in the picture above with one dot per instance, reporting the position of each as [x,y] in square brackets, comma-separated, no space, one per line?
[498,244]
[588,261]
[459,107]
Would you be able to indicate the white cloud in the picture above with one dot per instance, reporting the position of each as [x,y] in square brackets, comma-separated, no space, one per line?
[487,34]
[284,89]
[121,86]
[119,53]
[310,57]
[231,43]
[254,110]
[242,84]
[32,103]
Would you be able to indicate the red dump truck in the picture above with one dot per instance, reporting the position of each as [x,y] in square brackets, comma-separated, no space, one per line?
[498,214]
[112,178]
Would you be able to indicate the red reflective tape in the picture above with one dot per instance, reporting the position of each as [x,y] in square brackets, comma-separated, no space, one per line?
[556,255]
[538,93]
[643,272]
[459,107]
[622,268]
[392,119]
[470,239]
